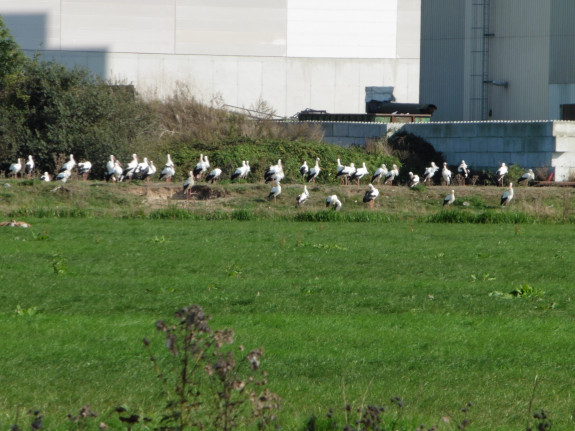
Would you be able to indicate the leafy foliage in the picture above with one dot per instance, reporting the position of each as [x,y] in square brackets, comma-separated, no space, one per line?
[414,152]
[56,110]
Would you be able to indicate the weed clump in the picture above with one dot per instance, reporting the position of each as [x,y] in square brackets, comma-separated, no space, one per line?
[207,386]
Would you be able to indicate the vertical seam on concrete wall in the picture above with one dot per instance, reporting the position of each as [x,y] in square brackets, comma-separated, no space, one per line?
[60,38]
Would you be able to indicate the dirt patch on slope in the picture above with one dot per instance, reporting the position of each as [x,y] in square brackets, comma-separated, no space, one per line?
[162,195]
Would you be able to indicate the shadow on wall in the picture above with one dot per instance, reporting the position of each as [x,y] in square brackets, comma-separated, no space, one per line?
[30,32]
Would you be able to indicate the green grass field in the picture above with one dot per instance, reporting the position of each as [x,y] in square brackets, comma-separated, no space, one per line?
[346,312]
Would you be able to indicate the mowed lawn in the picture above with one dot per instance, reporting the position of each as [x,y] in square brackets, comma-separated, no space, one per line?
[346,313]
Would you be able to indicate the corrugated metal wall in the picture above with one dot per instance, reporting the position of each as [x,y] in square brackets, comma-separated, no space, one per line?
[442,57]
[562,64]
[519,55]
[532,48]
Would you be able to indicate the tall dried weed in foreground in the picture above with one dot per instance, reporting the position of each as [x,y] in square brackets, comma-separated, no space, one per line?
[206,386]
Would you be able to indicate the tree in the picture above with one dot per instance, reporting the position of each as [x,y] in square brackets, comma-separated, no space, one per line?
[12,58]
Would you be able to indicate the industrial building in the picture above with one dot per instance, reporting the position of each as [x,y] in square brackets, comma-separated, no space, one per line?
[290,54]
[498,59]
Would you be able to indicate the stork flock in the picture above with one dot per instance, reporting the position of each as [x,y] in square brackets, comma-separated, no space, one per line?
[145,169]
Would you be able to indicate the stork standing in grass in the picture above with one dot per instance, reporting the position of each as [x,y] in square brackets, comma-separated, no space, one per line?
[248,170]
[449,199]
[130,169]
[379,173]
[275,191]
[303,197]
[142,168]
[370,195]
[429,173]
[188,184]
[110,166]
[463,169]
[45,177]
[169,170]
[118,172]
[238,173]
[390,176]
[274,173]
[69,165]
[314,172]
[15,168]
[359,174]
[340,167]
[333,202]
[64,176]
[84,169]
[446,174]
[346,173]
[200,168]
[303,170]
[214,175]
[29,167]
[507,196]
[413,180]
[526,178]
[501,172]
[147,173]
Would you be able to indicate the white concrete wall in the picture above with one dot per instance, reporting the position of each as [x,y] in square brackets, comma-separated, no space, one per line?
[483,145]
[292,54]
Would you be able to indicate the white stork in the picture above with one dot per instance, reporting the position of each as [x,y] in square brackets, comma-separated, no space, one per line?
[390,176]
[527,177]
[507,196]
[346,172]
[340,167]
[45,177]
[200,168]
[333,202]
[302,197]
[274,173]
[64,176]
[449,199]
[248,170]
[214,175]
[379,173]
[84,169]
[370,195]
[275,191]
[463,170]
[169,170]
[15,168]
[110,167]
[429,173]
[314,172]
[303,170]
[188,184]
[69,165]
[446,174]
[238,173]
[128,172]
[413,180]
[118,172]
[359,174]
[151,171]
[142,168]
[501,172]
[29,167]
